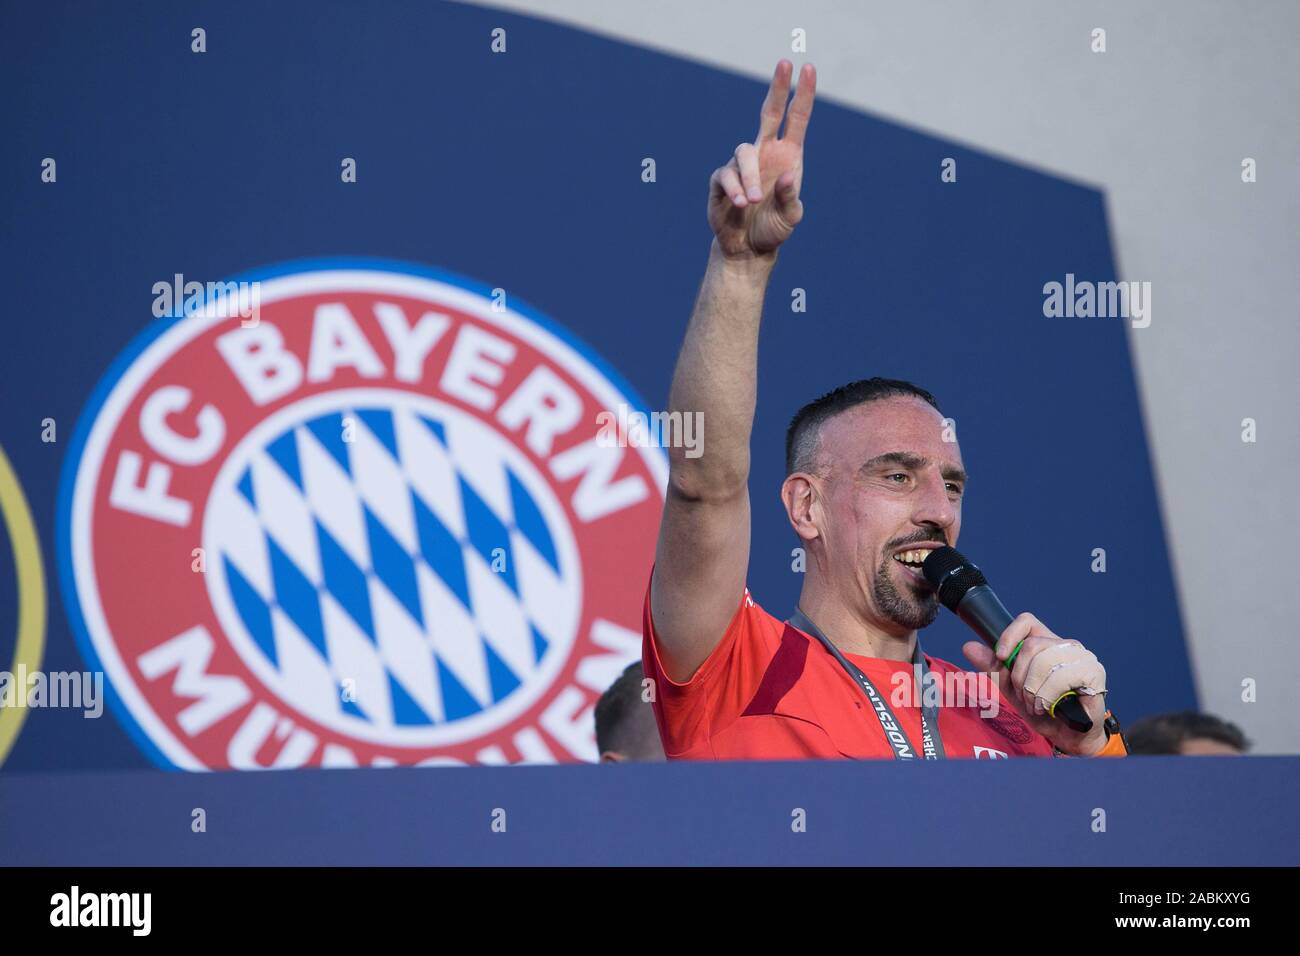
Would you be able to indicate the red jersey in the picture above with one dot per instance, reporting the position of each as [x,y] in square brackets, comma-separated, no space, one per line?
[771,692]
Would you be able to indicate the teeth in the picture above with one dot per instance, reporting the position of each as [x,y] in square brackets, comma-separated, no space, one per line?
[916,556]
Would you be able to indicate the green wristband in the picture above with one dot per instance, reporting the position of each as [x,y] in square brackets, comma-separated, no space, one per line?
[1012,659]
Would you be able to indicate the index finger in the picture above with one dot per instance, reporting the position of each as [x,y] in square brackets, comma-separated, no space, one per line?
[774,105]
[1022,626]
[801,109]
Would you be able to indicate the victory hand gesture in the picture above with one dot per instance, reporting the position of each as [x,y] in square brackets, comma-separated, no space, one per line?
[754,199]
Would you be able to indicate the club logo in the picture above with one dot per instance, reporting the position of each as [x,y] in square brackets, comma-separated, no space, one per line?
[1012,727]
[371,525]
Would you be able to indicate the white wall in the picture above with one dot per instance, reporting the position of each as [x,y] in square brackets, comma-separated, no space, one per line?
[1161,122]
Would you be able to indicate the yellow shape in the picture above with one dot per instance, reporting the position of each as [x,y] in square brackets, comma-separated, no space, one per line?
[31,596]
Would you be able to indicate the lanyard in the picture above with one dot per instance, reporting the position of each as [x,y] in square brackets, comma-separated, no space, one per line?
[931,739]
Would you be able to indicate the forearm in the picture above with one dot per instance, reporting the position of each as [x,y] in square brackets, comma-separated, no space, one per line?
[717,371]
[703,551]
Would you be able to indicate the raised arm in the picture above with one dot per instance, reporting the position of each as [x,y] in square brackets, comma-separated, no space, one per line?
[703,550]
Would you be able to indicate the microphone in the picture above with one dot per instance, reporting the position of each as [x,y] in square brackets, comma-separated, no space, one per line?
[963,589]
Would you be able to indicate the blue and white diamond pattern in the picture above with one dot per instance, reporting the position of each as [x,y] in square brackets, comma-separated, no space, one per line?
[358,544]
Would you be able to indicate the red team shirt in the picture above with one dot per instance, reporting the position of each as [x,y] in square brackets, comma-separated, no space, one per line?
[771,692]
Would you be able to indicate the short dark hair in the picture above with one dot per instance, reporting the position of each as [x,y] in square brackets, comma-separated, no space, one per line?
[801,436]
[1165,733]
[615,729]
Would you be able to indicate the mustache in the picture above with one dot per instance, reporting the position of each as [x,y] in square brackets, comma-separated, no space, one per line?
[921,537]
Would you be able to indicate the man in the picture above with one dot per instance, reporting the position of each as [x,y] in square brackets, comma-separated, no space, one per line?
[625,723]
[872,487]
[1187,733]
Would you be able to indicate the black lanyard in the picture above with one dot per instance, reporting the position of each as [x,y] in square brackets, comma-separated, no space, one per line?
[931,739]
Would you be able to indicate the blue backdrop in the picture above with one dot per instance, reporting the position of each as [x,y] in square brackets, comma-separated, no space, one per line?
[523,170]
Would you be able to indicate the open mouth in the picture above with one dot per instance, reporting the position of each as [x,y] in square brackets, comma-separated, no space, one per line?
[912,559]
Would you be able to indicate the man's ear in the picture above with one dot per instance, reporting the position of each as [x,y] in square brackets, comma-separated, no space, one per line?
[802,499]
[612,756]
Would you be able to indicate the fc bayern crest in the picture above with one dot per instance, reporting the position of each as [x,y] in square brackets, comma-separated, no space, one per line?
[375,523]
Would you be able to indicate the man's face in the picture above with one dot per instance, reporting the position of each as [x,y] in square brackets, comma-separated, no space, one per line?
[893,491]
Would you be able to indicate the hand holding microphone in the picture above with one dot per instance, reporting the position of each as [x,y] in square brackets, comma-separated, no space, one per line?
[1057,685]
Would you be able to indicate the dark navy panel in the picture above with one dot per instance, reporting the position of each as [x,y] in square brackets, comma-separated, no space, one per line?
[1158,811]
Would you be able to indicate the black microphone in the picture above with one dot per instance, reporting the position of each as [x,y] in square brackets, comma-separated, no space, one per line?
[962,589]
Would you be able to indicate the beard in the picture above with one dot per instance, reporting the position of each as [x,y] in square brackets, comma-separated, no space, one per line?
[912,607]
